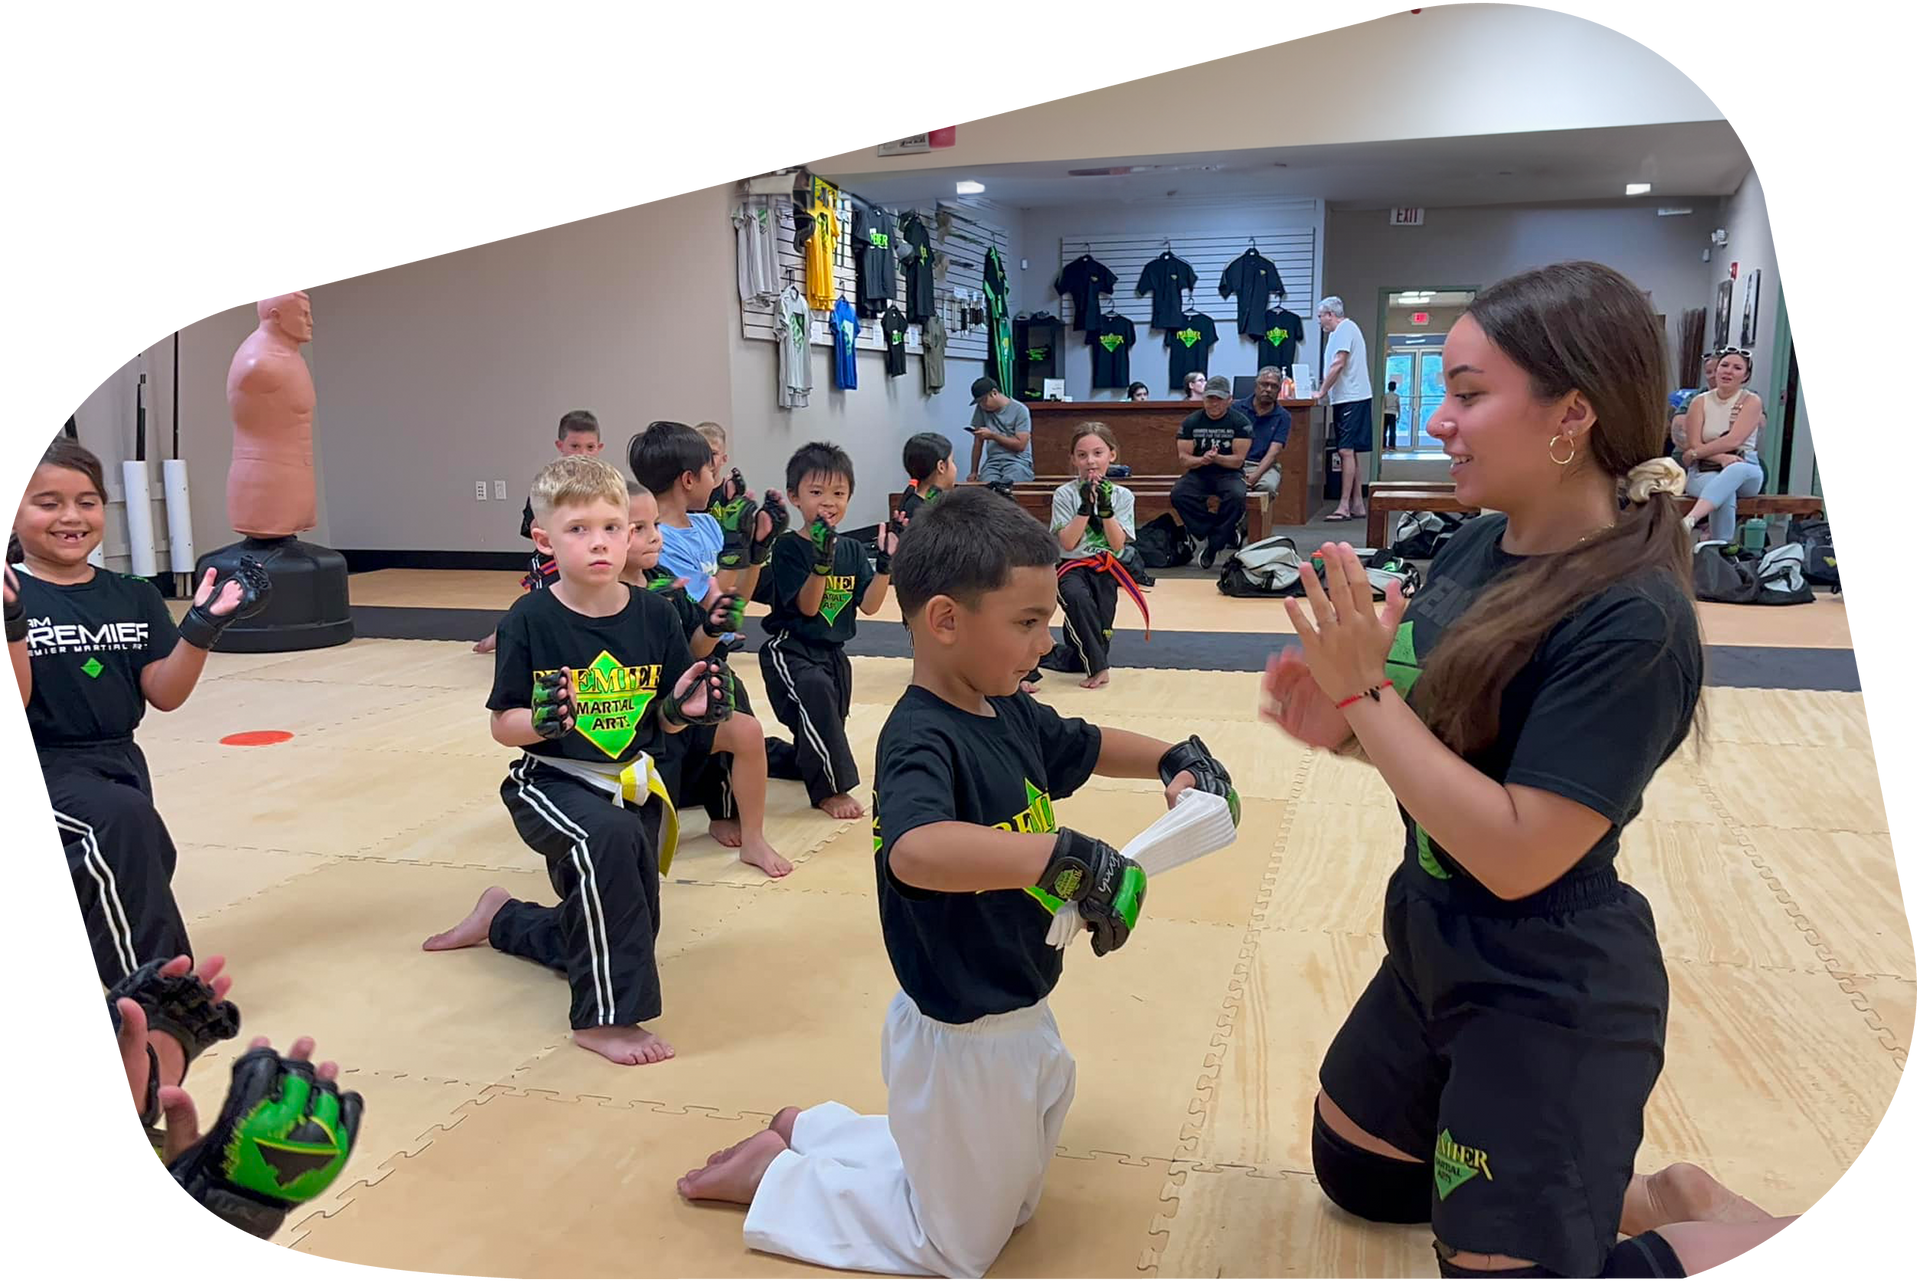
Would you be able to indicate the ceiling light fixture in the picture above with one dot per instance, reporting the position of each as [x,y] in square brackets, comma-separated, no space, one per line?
[1639,189]
[969,188]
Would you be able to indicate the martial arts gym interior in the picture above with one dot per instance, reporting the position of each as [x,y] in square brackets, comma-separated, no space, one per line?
[332,788]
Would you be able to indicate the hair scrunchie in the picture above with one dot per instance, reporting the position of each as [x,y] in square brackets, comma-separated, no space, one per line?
[1655,476]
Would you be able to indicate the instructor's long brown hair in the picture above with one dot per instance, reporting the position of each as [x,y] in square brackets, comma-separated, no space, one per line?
[1572,326]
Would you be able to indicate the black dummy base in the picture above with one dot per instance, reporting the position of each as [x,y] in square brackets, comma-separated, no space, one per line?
[308,608]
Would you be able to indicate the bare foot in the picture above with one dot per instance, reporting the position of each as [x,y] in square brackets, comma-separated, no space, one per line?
[764,857]
[473,929]
[725,831]
[1096,681]
[782,1125]
[485,644]
[737,1177]
[623,1044]
[841,806]
[1682,1194]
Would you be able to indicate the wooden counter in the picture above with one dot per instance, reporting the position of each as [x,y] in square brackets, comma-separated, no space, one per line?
[1147,431]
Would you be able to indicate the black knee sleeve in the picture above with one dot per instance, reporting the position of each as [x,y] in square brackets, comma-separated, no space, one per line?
[1372,1186]
[1646,1256]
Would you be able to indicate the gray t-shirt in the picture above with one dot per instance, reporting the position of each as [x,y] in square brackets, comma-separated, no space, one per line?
[1010,419]
[1066,506]
[1354,383]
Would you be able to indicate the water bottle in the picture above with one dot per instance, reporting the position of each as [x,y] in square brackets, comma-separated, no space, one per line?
[1753,535]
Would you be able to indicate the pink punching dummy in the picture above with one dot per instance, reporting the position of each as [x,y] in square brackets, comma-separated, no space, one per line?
[270,490]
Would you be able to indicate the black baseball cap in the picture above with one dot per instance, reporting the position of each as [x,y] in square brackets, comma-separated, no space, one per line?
[983,388]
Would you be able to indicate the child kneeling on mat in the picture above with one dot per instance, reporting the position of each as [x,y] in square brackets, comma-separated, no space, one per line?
[1093,520]
[725,765]
[589,679]
[970,869]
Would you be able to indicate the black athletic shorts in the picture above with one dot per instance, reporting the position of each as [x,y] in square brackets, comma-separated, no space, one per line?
[1353,426]
[1513,1046]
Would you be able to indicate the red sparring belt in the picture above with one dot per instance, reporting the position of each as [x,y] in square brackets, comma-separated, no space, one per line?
[544,569]
[1108,563]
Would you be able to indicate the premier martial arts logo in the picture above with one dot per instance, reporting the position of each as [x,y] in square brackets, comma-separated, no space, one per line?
[839,591]
[1278,335]
[1454,1164]
[46,638]
[1112,341]
[1036,818]
[1187,336]
[610,698]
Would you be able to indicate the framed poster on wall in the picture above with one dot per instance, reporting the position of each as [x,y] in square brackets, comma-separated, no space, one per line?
[1722,314]
[1750,317]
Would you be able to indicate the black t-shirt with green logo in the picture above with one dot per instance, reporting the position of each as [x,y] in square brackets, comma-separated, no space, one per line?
[1084,280]
[1280,336]
[89,642]
[893,328]
[961,957]
[620,663]
[789,569]
[1601,705]
[1187,346]
[1111,339]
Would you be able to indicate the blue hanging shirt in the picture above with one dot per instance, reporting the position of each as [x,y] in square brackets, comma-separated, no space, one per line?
[846,328]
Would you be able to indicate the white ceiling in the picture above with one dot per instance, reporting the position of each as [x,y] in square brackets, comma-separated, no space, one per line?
[1694,159]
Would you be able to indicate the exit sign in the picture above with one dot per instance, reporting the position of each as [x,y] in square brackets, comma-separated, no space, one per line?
[1406,217]
[1420,318]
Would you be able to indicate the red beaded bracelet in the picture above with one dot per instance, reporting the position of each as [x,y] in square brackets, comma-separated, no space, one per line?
[1373,694]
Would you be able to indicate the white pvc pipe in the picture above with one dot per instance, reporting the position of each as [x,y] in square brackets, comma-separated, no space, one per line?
[179,516]
[139,518]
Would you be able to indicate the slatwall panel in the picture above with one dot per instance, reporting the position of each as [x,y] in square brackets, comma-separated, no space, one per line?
[964,243]
[1291,249]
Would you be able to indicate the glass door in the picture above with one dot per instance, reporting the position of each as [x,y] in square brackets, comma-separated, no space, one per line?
[1414,372]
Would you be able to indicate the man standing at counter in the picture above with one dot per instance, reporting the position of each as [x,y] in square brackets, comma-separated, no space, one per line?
[1214,442]
[1003,429]
[1271,426]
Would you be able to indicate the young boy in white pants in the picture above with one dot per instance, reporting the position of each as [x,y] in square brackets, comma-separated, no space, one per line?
[971,869]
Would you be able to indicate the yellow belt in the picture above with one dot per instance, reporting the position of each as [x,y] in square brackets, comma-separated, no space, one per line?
[633,789]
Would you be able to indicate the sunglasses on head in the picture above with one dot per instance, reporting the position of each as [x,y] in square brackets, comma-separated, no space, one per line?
[1741,352]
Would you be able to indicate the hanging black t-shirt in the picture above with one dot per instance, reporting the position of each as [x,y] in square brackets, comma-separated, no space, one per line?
[1601,705]
[1112,343]
[961,957]
[1166,277]
[874,235]
[789,569]
[1253,280]
[1084,280]
[88,643]
[893,328]
[1187,348]
[1036,352]
[1280,336]
[918,267]
[619,664]
[1215,433]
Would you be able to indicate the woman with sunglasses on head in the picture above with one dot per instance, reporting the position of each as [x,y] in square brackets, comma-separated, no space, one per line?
[1722,454]
[1491,1079]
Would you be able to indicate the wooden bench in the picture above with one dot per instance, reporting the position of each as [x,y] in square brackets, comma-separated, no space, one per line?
[1152,496]
[1381,502]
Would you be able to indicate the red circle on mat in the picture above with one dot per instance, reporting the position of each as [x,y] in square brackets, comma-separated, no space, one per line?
[257,738]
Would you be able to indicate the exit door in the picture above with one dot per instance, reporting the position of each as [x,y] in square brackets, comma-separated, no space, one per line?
[1414,366]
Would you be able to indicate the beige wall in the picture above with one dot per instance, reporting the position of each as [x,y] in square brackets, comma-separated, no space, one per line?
[1133,119]
[456,369]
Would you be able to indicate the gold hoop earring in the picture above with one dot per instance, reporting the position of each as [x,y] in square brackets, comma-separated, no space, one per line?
[1570,450]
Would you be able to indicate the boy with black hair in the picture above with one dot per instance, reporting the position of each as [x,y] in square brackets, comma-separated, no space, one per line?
[814,577]
[928,458]
[578,433]
[970,869]
[589,679]
[724,766]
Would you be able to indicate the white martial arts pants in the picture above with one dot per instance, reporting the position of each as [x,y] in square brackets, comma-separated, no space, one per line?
[937,1185]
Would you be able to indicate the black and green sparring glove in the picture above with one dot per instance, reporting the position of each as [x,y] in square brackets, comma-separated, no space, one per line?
[201,627]
[883,559]
[16,617]
[1209,775]
[282,1137]
[823,539]
[736,518]
[728,615]
[552,708]
[718,680]
[1103,500]
[1088,504]
[1107,887]
[778,520]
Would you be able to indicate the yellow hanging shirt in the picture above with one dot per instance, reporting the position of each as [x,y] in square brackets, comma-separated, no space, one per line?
[821,290]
